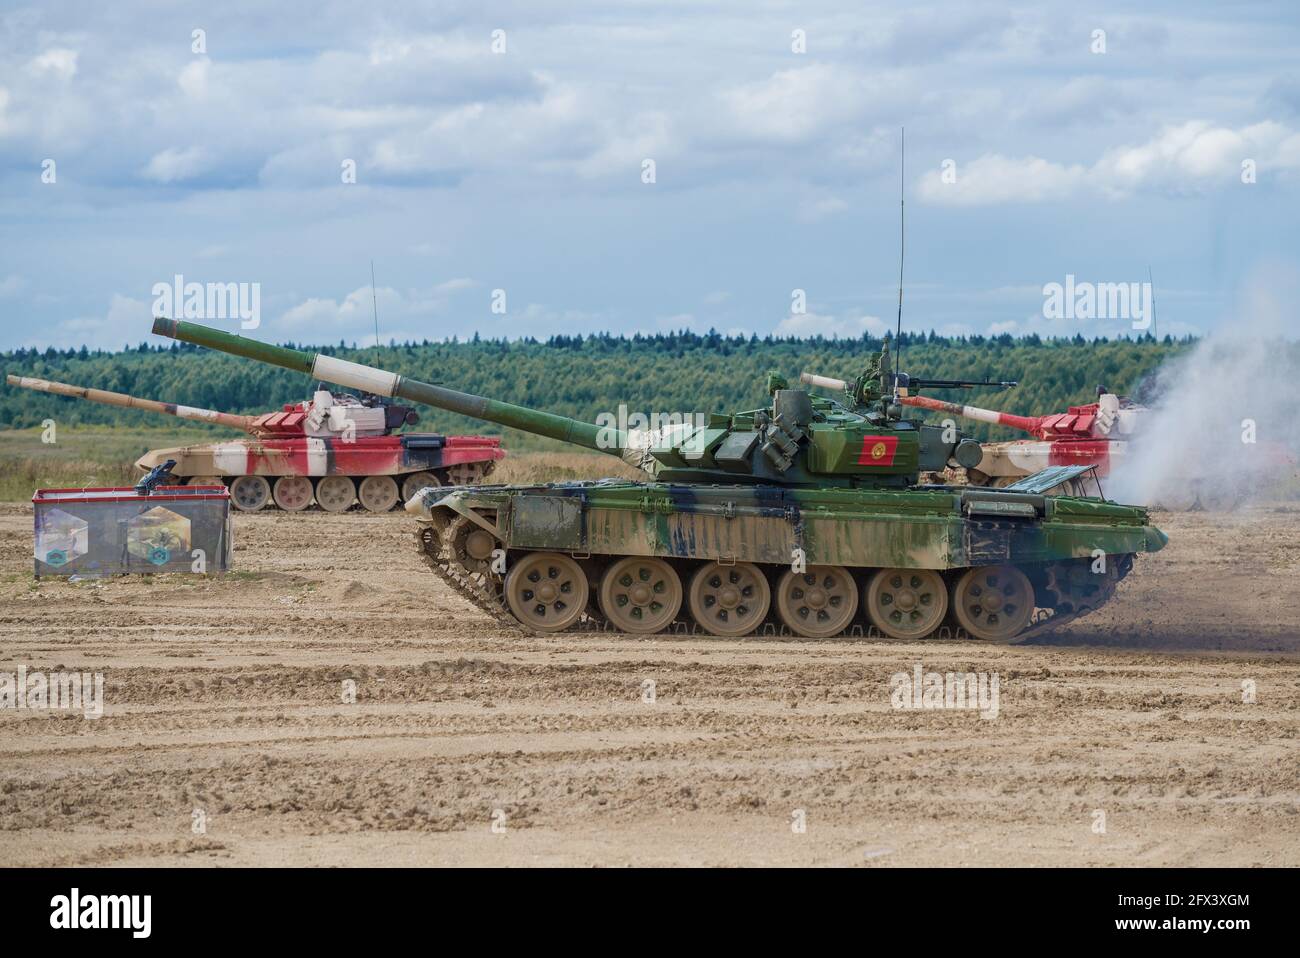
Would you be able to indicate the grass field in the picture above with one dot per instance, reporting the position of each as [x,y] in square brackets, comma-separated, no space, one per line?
[83,456]
[99,456]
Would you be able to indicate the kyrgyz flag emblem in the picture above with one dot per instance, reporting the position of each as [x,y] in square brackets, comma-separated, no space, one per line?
[878,450]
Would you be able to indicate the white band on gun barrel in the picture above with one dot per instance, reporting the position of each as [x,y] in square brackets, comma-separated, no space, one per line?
[825,382]
[981,415]
[354,375]
[193,412]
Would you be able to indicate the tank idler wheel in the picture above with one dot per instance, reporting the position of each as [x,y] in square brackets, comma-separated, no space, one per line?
[471,545]
[250,493]
[729,600]
[204,481]
[335,493]
[817,603]
[293,493]
[993,603]
[640,594]
[546,591]
[377,493]
[906,603]
[417,481]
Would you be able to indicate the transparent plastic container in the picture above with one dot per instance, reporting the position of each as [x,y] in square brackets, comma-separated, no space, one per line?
[112,531]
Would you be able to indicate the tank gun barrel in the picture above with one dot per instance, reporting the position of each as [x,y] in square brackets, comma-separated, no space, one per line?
[905,381]
[370,379]
[825,382]
[1029,424]
[108,398]
[913,382]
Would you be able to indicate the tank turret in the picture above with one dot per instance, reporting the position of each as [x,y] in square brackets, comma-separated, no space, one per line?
[799,440]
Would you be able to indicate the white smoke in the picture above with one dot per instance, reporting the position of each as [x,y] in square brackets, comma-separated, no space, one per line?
[1223,429]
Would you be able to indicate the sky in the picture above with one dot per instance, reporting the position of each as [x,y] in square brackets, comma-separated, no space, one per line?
[536,168]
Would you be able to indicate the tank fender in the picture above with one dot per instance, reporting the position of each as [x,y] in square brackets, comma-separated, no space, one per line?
[1156,540]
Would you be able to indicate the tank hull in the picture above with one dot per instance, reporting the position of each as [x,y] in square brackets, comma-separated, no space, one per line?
[363,456]
[1072,551]
[376,472]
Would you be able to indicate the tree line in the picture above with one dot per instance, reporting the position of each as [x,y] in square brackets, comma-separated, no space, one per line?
[583,376]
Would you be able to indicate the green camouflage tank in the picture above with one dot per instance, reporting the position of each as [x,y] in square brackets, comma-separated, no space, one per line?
[805,514]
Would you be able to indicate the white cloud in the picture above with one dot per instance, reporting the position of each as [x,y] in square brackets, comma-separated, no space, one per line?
[321,316]
[795,105]
[844,327]
[1190,155]
[1185,158]
[173,165]
[125,321]
[11,285]
[58,61]
[193,80]
[410,314]
[998,179]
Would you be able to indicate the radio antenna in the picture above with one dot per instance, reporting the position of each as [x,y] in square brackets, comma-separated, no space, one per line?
[898,334]
[374,300]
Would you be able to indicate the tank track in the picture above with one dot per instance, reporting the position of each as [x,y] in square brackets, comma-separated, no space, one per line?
[479,590]
[435,550]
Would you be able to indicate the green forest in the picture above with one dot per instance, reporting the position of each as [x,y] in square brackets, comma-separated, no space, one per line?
[582,376]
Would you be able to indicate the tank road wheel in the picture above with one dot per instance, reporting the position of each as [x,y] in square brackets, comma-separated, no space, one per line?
[204,481]
[818,603]
[250,493]
[547,591]
[729,600]
[993,603]
[464,474]
[377,493]
[293,493]
[640,594]
[906,603]
[417,481]
[335,493]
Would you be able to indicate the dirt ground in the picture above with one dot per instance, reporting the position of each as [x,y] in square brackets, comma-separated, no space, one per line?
[224,700]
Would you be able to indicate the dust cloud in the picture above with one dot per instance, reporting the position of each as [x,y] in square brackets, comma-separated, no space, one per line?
[1224,426]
